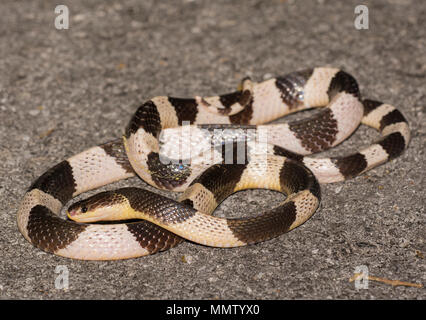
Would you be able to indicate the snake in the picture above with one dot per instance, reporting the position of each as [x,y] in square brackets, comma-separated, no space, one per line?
[280,161]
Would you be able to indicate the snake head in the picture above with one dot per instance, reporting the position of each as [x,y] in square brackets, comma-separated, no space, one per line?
[104,206]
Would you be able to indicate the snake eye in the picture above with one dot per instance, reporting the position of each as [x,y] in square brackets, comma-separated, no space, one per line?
[84,209]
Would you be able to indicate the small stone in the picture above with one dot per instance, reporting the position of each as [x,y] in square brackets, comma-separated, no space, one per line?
[187,259]
[338,189]
[267,76]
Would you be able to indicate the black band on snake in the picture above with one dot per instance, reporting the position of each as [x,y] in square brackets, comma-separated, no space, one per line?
[272,156]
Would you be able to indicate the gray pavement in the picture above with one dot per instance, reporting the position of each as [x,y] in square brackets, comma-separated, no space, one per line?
[62,91]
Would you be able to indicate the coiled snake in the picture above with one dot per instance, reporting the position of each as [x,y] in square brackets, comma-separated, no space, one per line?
[282,164]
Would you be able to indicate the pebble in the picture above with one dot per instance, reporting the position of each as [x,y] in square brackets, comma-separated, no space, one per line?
[187,259]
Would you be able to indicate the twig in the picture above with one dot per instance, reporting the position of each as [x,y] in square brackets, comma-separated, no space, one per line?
[46,133]
[387,281]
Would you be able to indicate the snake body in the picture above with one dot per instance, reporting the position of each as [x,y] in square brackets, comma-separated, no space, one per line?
[282,165]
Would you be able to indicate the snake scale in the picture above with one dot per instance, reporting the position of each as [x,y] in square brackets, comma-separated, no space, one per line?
[281,162]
